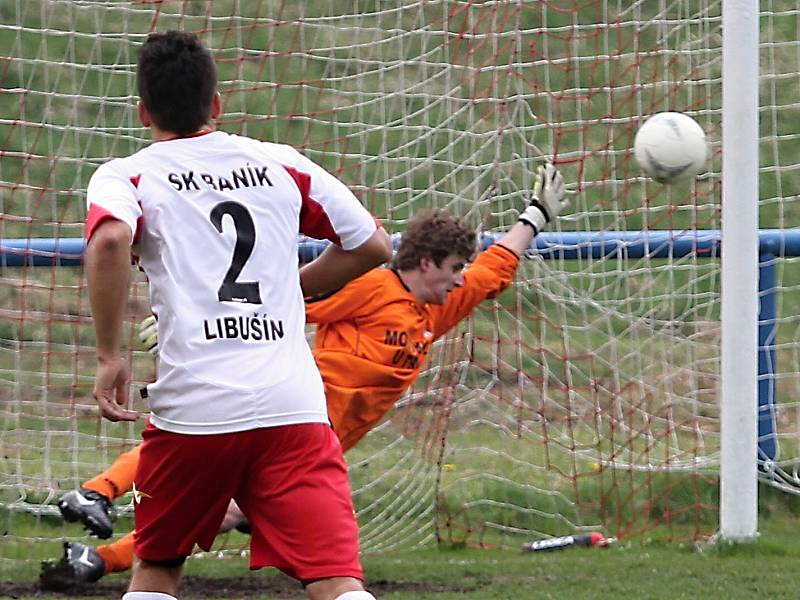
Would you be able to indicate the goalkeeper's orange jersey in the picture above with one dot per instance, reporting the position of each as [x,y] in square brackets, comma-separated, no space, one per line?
[373,336]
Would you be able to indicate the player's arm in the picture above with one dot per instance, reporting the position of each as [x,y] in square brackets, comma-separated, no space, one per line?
[548,200]
[331,211]
[335,266]
[113,215]
[108,266]
[108,273]
[493,270]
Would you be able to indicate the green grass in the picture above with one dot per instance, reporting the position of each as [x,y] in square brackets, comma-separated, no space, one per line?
[645,569]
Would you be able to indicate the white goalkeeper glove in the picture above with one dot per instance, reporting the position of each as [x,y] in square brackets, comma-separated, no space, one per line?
[547,200]
[148,334]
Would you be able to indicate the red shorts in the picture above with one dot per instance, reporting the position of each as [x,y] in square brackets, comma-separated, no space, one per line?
[290,481]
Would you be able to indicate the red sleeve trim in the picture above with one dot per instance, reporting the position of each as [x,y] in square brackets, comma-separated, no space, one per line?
[314,221]
[137,235]
[98,214]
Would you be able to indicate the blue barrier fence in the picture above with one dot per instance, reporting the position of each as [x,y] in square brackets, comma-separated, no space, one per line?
[773,244]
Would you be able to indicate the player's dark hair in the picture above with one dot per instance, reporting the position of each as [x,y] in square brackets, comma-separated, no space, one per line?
[177,79]
[435,234]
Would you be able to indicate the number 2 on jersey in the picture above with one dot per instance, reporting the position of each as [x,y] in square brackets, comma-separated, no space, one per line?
[232,290]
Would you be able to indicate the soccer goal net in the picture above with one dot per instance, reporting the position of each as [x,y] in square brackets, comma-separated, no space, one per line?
[586,397]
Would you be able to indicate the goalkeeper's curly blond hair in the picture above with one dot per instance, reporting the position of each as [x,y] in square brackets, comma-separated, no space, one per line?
[435,234]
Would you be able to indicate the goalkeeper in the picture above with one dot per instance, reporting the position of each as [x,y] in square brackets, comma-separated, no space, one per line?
[371,341]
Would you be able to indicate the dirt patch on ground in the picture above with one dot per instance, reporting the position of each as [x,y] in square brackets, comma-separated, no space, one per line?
[231,588]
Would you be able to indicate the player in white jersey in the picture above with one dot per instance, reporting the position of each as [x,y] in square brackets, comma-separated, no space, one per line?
[238,410]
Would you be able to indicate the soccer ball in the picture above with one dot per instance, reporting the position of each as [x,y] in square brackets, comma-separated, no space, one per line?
[670,147]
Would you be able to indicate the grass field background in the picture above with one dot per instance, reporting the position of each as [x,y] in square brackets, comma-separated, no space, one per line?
[646,569]
[585,397]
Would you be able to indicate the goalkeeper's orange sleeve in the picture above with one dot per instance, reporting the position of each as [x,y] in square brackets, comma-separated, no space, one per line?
[491,273]
[117,556]
[118,478]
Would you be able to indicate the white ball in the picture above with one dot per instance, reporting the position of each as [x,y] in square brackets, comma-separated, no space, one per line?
[671,146]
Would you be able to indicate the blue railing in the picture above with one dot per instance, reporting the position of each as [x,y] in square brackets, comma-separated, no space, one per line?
[773,244]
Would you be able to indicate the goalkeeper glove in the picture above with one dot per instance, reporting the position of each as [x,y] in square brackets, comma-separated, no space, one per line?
[148,334]
[547,200]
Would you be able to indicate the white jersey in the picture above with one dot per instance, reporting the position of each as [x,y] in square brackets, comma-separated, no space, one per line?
[215,221]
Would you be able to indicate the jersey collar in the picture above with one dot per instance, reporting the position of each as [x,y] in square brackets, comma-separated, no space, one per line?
[200,133]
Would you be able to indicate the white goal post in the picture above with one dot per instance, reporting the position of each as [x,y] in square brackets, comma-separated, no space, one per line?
[740,160]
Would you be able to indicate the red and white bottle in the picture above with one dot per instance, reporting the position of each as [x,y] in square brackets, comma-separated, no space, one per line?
[593,539]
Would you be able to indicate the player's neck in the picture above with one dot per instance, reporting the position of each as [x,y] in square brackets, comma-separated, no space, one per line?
[162,135]
[413,282]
